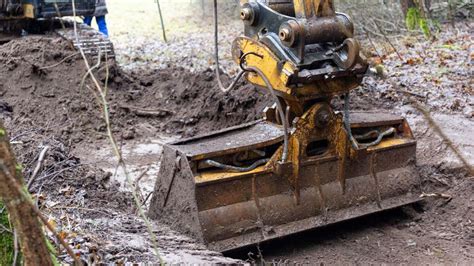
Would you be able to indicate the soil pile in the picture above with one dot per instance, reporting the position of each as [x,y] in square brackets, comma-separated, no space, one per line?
[43,104]
[41,110]
[186,103]
[35,89]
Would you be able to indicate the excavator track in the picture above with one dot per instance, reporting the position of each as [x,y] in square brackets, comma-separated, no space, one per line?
[92,42]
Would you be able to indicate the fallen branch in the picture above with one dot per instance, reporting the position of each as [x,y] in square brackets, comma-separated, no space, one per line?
[147,112]
[81,209]
[436,195]
[388,40]
[38,167]
[60,62]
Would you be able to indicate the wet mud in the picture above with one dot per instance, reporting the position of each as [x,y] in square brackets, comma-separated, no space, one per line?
[43,104]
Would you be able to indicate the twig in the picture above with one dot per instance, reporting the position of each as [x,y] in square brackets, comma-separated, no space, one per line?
[371,43]
[137,181]
[60,62]
[437,129]
[147,112]
[5,229]
[436,195]
[161,21]
[388,40]
[60,171]
[82,209]
[62,23]
[38,167]
[15,246]
[147,198]
[106,116]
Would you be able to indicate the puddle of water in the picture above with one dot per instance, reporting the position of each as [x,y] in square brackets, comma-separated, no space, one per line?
[143,149]
[139,156]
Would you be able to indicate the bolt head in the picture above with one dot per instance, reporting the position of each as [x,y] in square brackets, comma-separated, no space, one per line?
[246,13]
[322,118]
[285,34]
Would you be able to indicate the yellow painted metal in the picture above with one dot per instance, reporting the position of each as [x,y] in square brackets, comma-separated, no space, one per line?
[311,8]
[306,130]
[28,10]
[388,143]
[230,209]
[211,176]
[268,63]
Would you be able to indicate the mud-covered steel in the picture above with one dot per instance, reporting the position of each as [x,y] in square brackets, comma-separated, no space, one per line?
[227,210]
[323,179]
[252,135]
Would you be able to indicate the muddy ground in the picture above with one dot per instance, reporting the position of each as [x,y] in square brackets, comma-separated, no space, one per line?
[88,200]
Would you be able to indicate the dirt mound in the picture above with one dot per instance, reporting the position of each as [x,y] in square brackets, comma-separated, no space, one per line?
[43,104]
[192,103]
[36,89]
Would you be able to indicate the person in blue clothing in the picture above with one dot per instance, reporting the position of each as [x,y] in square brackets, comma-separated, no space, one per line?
[99,14]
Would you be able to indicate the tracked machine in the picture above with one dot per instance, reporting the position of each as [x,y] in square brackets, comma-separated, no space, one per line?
[22,17]
[305,165]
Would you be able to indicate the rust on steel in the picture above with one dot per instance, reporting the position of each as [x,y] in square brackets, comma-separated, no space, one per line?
[235,187]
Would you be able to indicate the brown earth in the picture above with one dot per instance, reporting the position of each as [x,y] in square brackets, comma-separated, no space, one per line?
[43,105]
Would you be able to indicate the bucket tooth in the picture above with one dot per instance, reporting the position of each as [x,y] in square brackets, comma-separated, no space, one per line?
[227,209]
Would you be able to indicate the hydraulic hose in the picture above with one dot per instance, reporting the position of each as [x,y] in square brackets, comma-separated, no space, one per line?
[216,56]
[236,168]
[354,139]
[282,114]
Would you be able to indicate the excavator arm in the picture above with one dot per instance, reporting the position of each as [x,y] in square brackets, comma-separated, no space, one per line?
[306,164]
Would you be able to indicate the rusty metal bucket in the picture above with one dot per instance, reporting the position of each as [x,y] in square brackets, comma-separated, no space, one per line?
[227,209]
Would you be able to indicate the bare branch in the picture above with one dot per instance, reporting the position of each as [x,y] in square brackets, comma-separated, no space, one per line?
[38,167]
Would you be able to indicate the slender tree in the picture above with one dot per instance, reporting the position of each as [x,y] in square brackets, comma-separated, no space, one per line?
[407,4]
[22,216]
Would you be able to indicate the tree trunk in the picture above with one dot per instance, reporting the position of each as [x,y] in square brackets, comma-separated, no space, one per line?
[406,4]
[6,238]
[20,209]
[425,5]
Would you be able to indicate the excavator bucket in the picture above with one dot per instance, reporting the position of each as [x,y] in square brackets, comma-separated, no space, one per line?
[257,199]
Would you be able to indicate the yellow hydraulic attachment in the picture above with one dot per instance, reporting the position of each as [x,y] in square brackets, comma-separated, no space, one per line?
[305,165]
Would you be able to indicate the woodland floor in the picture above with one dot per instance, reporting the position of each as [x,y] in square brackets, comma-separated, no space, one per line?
[90,202]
